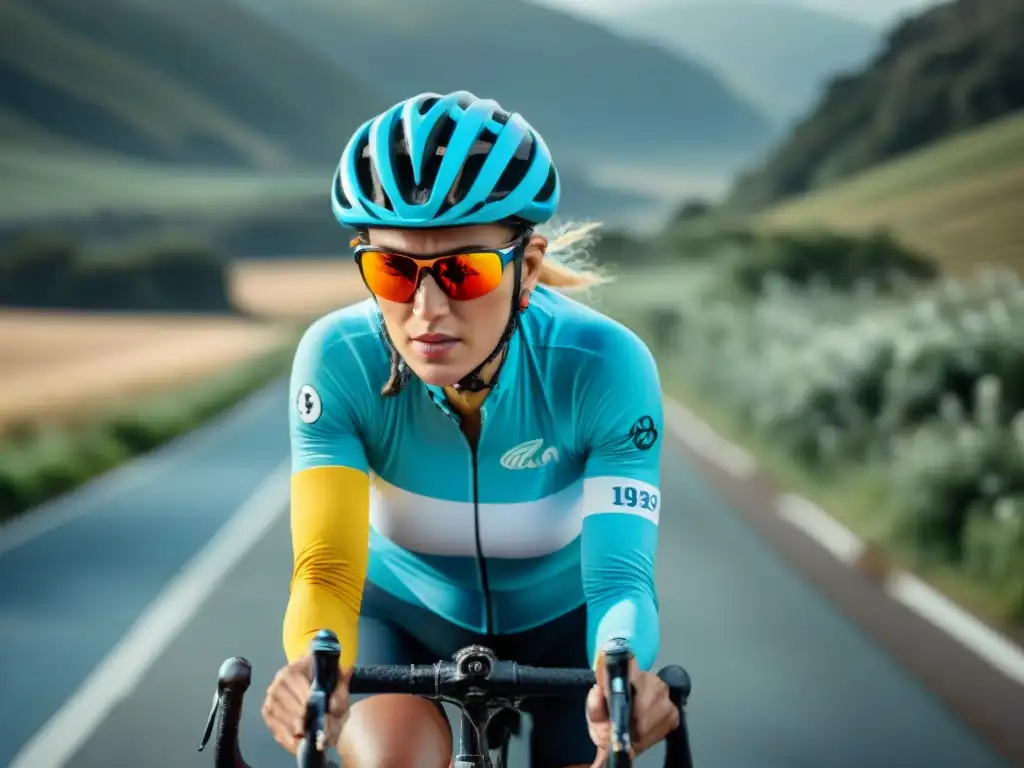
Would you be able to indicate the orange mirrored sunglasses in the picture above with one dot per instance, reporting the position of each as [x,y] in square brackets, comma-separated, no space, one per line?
[463,275]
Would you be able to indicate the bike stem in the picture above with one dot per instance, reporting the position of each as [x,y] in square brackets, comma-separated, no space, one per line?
[473,735]
[617,656]
[326,651]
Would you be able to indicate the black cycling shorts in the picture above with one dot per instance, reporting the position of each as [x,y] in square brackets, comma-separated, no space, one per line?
[392,631]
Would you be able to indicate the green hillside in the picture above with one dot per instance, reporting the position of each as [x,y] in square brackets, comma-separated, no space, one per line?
[594,95]
[186,82]
[958,200]
[954,67]
[780,72]
[44,185]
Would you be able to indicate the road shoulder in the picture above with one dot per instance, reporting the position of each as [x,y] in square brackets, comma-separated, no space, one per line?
[977,674]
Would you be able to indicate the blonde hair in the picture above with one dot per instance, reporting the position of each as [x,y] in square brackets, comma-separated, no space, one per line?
[567,265]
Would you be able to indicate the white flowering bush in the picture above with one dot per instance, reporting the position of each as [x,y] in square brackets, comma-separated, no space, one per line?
[838,374]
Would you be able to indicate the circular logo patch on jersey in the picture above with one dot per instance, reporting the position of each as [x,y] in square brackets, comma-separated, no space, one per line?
[308,403]
[643,433]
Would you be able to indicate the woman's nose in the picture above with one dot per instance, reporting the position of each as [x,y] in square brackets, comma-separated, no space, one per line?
[429,301]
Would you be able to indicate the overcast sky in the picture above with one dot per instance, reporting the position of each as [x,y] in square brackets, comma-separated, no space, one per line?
[874,11]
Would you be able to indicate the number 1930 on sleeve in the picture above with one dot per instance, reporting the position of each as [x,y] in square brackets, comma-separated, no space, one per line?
[631,496]
[602,495]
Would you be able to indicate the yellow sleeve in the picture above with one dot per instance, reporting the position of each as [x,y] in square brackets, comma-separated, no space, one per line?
[330,521]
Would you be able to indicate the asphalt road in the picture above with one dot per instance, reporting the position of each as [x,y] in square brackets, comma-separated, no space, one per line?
[782,678]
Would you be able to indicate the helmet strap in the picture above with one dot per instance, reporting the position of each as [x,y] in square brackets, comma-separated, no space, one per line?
[472,381]
[400,367]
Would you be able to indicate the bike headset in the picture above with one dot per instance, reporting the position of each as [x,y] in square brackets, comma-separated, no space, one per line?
[435,161]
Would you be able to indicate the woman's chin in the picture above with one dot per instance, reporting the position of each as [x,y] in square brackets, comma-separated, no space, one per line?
[438,374]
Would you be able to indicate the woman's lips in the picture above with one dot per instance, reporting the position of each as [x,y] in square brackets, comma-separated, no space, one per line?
[433,346]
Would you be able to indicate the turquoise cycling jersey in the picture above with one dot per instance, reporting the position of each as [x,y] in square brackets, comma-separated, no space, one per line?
[556,506]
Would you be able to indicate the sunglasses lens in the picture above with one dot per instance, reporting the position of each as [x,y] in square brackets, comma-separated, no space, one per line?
[389,276]
[469,276]
[462,277]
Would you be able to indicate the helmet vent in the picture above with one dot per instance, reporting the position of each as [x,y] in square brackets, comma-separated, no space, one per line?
[401,161]
[550,185]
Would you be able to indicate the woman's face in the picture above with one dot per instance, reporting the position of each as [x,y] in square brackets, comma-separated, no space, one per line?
[441,339]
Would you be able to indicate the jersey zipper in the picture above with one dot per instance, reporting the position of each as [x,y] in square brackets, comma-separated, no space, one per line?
[481,564]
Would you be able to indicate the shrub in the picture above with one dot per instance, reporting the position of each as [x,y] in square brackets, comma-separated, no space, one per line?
[42,269]
[994,549]
[872,262]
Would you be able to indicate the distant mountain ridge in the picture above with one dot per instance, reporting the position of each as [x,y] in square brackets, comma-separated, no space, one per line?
[186,81]
[589,91]
[777,53]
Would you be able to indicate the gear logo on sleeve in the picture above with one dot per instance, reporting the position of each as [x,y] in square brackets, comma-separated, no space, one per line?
[308,404]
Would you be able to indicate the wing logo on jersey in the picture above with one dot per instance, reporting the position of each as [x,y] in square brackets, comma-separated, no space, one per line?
[523,455]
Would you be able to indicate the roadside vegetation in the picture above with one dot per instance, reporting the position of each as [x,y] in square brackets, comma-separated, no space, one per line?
[860,375]
[40,462]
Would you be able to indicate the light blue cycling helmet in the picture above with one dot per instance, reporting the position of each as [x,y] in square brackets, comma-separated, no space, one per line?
[445,161]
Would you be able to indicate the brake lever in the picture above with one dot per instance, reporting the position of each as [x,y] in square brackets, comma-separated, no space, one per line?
[617,656]
[233,681]
[326,651]
[210,720]
[677,743]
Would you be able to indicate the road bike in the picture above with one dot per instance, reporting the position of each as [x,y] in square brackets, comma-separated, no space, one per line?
[476,681]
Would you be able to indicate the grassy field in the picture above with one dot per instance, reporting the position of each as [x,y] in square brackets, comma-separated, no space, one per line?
[61,367]
[38,184]
[294,289]
[959,201]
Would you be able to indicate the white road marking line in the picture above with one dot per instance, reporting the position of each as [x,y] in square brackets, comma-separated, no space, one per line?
[943,613]
[696,433]
[845,545]
[125,478]
[121,670]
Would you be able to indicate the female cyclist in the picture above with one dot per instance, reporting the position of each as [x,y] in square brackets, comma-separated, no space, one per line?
[475,455]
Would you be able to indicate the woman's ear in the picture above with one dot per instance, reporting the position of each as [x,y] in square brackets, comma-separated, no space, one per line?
[533,260]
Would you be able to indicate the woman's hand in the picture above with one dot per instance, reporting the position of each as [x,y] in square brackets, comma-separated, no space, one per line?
[284,709]
[654,714]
